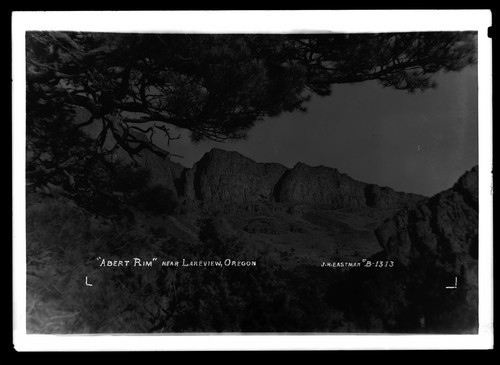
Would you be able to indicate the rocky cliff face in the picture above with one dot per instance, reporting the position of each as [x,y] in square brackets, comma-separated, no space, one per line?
[320,185]
[386,198]
[324,185]
[231,177]
[432,245]
[444,227]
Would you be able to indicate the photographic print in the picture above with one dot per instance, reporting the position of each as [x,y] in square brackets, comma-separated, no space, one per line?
[191,183]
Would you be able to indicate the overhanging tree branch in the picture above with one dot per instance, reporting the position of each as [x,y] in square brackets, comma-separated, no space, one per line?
[214,86]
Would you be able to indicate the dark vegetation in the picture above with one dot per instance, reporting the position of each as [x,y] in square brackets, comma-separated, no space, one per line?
[65,243]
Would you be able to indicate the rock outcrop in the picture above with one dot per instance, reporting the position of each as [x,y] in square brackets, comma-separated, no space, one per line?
[324,185]
[427,249]
[231,177]
[320,185]
[444,227]
[226,176]
[433,246]
[386,198]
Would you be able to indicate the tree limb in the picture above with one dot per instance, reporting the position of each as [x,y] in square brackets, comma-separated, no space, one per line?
[44,172]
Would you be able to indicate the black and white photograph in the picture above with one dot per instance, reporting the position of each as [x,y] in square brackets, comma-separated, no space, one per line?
[314,183]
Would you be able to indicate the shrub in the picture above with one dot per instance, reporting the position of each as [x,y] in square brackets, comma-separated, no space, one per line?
[218,237]
[128,179]
[157,200]
[217,229]
[266,225]
[64,243]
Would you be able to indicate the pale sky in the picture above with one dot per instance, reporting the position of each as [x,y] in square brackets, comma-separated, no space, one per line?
[418,143]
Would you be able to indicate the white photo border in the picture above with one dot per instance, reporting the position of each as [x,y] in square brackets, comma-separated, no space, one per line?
[292,21]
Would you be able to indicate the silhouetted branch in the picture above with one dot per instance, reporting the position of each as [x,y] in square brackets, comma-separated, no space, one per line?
[45,172]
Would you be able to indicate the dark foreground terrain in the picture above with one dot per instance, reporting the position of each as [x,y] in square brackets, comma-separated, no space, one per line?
[232,245]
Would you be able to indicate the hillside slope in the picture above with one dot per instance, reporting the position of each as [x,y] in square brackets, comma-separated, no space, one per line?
[289,221]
